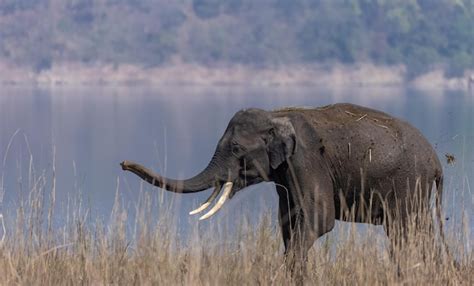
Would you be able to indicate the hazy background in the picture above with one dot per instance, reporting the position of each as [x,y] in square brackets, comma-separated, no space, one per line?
[86,130]
[420,35]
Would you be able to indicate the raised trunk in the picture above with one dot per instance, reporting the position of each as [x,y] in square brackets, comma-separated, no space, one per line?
[208,178]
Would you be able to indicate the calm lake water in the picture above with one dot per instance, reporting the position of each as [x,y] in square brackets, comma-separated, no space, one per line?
[88,131]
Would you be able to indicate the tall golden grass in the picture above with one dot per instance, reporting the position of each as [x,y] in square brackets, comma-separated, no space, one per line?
[148,249]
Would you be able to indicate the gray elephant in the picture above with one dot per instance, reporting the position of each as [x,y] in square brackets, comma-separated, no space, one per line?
[337,162]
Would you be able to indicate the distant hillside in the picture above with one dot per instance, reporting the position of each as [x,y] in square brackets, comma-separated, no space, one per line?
[421,35]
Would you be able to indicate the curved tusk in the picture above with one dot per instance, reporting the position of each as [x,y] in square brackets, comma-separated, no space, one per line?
[225,194]
[207,202]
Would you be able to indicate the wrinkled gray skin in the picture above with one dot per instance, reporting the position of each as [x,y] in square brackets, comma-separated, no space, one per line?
[324,162]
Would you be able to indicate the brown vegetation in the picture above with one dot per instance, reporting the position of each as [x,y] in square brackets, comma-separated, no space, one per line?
[86,250]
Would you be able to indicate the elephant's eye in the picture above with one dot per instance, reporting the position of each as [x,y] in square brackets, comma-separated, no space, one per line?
[271,131]
[236,149]
[271,134]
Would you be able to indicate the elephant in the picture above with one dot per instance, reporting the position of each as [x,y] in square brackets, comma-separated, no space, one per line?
[337,162]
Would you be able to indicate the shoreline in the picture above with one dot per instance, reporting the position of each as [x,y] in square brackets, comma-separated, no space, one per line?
[362,74]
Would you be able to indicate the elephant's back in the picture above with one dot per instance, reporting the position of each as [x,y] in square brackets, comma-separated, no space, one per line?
[344,113]
[355,121]
[337,113]
[369,137]
[344,116]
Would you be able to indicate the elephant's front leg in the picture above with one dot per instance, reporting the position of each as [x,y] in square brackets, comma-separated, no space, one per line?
[296,237]
[303,217]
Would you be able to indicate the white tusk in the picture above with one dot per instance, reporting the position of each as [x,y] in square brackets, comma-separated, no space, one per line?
[200,209]
[225,194]
[207,202]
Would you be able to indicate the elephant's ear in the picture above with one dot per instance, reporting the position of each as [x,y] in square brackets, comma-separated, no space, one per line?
[283,142]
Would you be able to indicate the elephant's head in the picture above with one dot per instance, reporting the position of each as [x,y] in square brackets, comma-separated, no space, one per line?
[254,143]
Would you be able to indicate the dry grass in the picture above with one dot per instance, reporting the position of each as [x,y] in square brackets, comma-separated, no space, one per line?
[88,251]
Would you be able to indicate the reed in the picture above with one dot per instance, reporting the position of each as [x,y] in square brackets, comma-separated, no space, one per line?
[40,245]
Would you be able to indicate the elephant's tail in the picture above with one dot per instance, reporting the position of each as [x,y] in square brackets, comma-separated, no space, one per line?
[438,206]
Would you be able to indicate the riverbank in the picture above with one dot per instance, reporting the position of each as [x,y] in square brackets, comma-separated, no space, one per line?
[364,74]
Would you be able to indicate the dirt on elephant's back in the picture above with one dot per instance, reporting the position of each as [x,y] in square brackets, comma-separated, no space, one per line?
[341,113]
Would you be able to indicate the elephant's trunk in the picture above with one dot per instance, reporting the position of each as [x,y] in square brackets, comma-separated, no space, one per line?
[209,177]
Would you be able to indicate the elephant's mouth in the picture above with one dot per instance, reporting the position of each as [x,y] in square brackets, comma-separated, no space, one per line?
[238,185]
[242,183]
[227,191]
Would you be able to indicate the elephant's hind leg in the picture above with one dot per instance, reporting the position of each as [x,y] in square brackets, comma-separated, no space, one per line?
[409,224]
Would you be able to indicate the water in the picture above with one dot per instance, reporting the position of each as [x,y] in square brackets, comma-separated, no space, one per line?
[87,131]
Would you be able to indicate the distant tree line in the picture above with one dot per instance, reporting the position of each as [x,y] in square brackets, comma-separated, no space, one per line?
[421,34]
